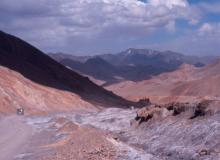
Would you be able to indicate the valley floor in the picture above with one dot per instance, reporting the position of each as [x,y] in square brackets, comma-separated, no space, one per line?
[108,135]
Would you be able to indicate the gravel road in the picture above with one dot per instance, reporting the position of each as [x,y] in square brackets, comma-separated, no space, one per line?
[14,137]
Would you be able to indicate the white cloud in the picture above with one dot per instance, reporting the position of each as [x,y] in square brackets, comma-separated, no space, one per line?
[202,41]
[169,3]
[205,28]
[209,30]
[114,23]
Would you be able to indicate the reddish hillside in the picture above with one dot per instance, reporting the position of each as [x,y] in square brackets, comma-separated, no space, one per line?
[206,82]
[210,70]
[185,83]
[17,91]
[34,65]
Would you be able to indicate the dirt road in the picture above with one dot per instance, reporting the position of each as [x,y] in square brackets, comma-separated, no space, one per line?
[14,137]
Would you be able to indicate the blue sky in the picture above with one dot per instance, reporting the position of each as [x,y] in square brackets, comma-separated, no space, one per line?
[83,27]
[200,1]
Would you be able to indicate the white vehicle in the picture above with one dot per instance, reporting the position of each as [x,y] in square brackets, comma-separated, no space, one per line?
[20,111]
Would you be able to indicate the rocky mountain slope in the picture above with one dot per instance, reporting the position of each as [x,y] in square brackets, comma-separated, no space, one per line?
[31,78]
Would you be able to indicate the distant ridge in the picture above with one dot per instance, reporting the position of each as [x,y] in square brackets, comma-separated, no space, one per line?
[129,65]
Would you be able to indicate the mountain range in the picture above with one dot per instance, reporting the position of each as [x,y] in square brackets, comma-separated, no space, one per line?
[131,64]
[28,73]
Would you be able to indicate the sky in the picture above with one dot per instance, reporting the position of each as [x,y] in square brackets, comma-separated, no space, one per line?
[86,27]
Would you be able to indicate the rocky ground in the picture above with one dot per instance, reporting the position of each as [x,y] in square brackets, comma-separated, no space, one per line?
[181,131]
[174,131]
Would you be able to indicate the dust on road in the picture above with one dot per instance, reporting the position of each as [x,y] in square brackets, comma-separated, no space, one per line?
[15,135]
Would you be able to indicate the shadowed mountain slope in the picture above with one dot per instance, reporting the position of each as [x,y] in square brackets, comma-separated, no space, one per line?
[34,65]
[96,67]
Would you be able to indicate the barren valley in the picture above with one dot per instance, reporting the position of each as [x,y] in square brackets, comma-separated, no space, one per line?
[170,116]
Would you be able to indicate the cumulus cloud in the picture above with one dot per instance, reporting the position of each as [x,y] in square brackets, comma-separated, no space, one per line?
[206,28]
[169,3]
[202,41]
[209,31]
[91,25]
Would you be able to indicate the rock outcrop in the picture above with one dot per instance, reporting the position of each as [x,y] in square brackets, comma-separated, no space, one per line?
[192,110]
[177,131]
